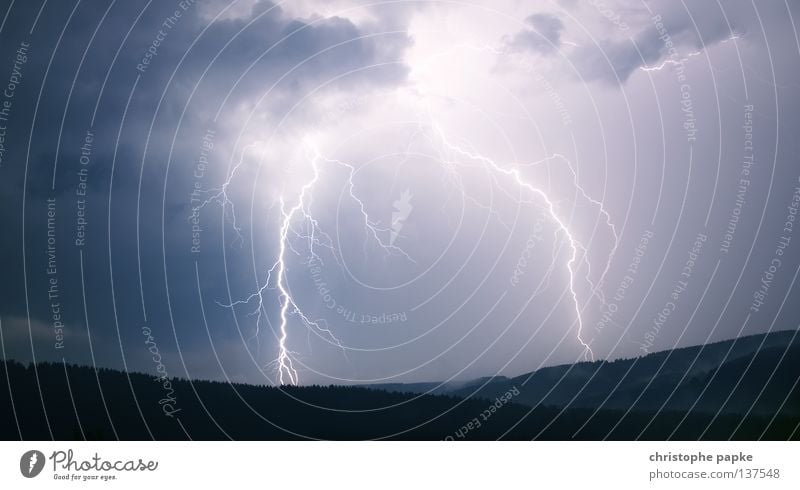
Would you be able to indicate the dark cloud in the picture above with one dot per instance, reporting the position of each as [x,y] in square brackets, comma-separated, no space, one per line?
[199,64]
[543,36]
[669,27]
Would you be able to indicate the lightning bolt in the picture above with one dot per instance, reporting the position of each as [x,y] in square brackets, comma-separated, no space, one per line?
[550,206]
[670,62]
[373,230]
[220,195]
[596,287]
[678,62]
[734,36]
[297,221]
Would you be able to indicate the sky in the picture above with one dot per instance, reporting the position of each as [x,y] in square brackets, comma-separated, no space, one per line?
[350,192]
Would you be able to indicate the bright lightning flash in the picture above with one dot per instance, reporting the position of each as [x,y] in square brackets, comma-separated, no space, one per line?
[574,244]
[297,222]
[300,211]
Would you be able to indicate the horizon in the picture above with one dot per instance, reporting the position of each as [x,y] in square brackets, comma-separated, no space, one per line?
[441,383]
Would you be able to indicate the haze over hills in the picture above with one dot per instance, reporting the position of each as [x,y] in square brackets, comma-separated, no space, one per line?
[708,392]
[435,387]
[696,377]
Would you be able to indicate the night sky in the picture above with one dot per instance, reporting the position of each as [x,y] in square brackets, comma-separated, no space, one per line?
[362,192]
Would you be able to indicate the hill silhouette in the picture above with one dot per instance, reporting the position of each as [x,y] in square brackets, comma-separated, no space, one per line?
[67,402]
[756,373]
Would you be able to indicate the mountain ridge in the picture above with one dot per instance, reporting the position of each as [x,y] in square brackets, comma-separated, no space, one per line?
[752,395]
[586,384]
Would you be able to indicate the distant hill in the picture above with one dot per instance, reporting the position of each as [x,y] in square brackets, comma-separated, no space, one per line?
[434,387]
[75,402]
[697,377]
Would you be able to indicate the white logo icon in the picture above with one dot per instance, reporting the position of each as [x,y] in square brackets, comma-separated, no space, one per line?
[402,208]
